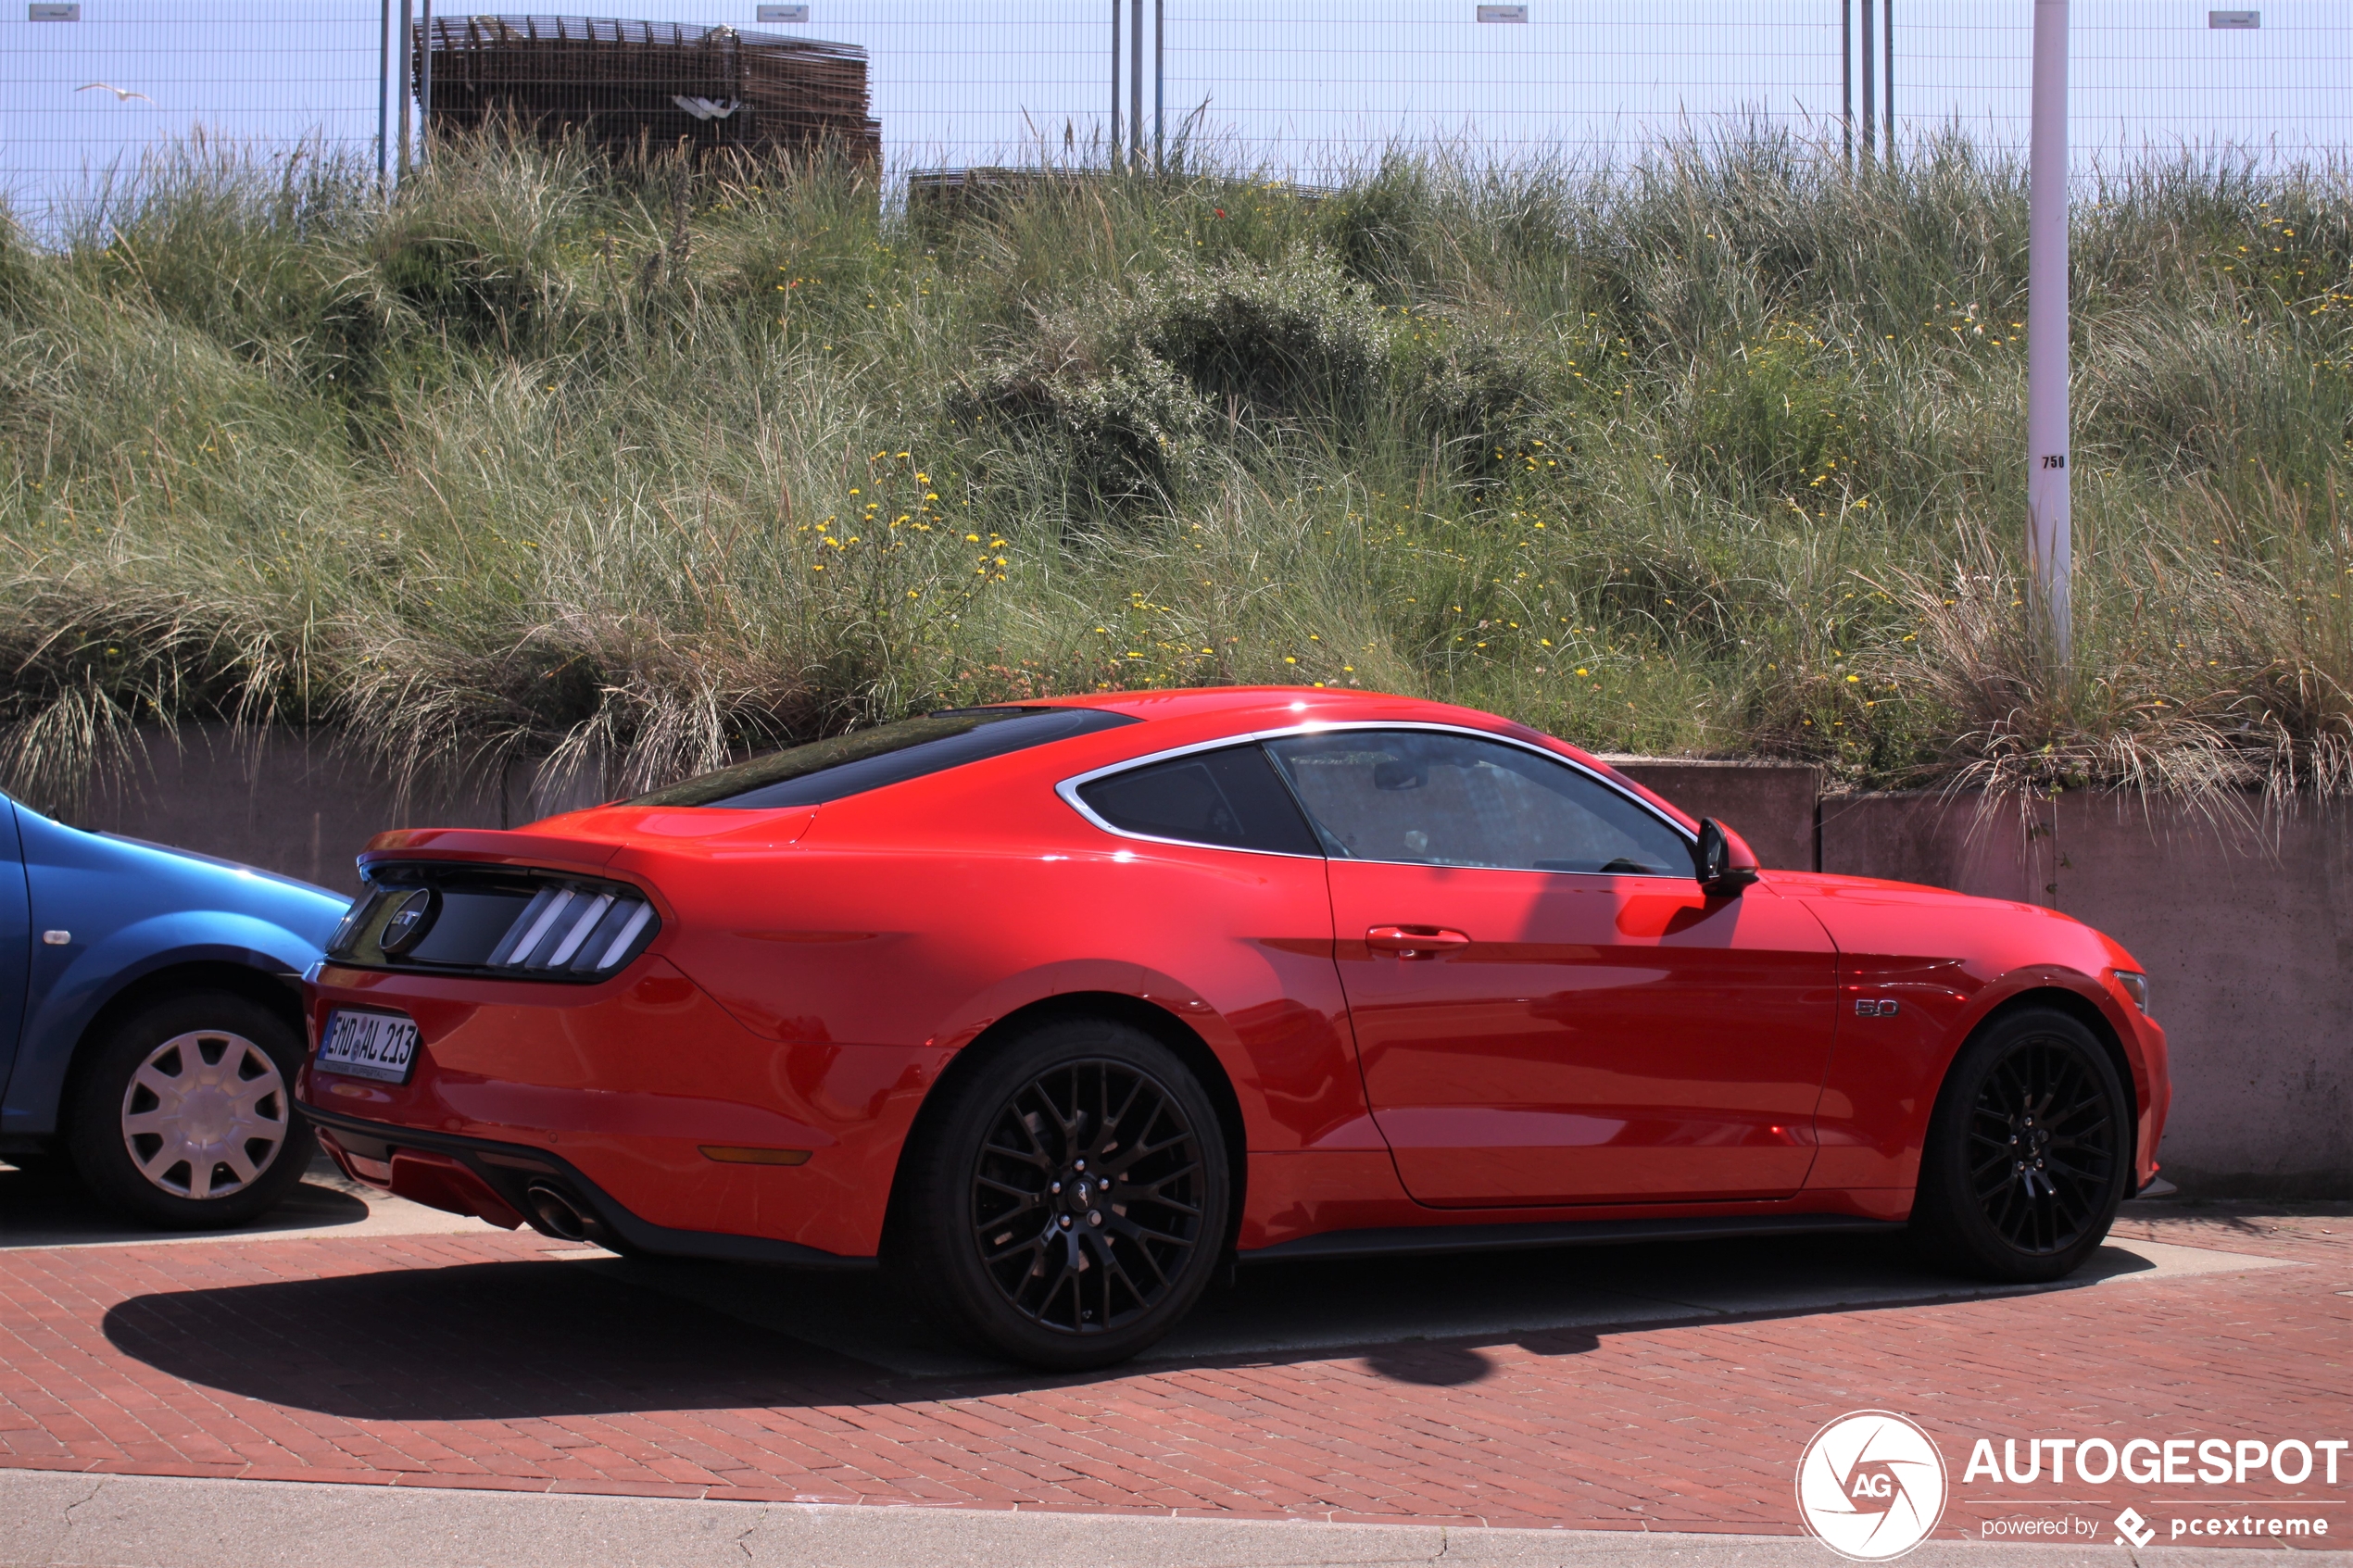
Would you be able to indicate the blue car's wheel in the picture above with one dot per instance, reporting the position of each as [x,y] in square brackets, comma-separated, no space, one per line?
[185,1115]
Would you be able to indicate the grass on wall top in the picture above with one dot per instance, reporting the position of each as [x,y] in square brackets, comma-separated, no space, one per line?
[1721,455]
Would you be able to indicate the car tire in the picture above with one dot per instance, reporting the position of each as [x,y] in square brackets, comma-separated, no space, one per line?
[2029,1152]
[183,1116]
[1068,1202]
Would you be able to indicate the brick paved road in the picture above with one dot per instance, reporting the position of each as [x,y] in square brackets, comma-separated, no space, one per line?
[475,1359]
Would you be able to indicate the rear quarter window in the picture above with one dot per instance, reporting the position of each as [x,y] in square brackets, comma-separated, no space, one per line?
[1228,799]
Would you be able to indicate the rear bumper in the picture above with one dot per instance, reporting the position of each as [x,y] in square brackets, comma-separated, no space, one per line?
[494,1182]
[628,1086]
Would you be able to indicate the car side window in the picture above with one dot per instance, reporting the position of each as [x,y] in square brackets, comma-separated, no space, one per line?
[1229,799]
[1431,797]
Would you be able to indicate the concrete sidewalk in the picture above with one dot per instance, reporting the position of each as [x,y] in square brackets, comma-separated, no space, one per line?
[59,1521]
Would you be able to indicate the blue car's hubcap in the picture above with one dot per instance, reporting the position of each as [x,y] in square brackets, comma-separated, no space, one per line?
[205,1114]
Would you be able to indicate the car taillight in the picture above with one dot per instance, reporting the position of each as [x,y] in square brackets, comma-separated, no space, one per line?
[511,922]
[582,930]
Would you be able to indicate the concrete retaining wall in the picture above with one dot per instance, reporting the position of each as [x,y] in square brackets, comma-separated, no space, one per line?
[292,803]
[1772,805]
[2246,933]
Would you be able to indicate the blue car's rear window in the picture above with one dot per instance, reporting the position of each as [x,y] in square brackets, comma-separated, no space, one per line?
[887,754]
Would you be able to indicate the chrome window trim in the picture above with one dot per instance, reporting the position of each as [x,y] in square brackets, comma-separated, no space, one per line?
[1068,789]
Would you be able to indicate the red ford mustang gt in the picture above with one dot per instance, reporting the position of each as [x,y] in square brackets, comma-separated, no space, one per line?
[1059,1007]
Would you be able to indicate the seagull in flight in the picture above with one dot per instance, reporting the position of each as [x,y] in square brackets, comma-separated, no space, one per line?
[121,95]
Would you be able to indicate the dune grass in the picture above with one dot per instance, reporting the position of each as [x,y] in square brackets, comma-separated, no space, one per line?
[647,466]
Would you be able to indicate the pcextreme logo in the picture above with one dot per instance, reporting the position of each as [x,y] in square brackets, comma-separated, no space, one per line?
[1871,1486]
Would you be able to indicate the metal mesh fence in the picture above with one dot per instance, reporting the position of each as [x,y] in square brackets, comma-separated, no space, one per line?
[94,91]
[1298,87]
[1317,83]
[2142,76]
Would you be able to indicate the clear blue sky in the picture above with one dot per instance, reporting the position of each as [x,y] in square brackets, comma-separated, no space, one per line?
[1302,82]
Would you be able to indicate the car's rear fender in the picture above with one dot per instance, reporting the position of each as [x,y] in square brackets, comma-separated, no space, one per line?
[906,949]
[1240,1048]
[1150,1013]
[1298,1128]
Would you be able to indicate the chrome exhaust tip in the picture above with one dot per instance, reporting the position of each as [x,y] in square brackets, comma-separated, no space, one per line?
[562,1216]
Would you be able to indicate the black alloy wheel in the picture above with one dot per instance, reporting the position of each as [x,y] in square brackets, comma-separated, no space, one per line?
[1073,1204]
[2042,1147]
[2029,1152]
[1087,1197]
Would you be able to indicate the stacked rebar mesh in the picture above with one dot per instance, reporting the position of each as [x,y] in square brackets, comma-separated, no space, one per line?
[629,84]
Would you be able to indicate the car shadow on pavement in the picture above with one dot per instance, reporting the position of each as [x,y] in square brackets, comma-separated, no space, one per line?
[578,1335]
[471,1341]
[44,1206]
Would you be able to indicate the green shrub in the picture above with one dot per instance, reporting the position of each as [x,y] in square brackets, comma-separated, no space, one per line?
[1294,339]
[1486,399]
[1372,227]
[1115,389]
[1111,436]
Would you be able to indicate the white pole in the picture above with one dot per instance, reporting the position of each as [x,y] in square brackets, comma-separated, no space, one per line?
[2049,542]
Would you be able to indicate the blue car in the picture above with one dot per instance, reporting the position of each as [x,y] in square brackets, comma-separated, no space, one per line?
[150,1022]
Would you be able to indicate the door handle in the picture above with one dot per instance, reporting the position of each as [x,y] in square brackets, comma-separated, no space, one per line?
[1414,941]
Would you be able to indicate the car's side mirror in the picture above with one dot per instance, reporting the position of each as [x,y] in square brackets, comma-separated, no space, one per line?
[1722,860]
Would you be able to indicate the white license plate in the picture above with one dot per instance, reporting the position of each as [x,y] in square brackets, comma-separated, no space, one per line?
[369,1045]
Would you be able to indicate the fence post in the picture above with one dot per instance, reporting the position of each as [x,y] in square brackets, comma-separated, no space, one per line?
[1887,76]
[2049,542]
[1846,74]
[1136,87]
[1870,97]
[1117,135]
[407,44]
[383,96]
[424,91]
[1160,83]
